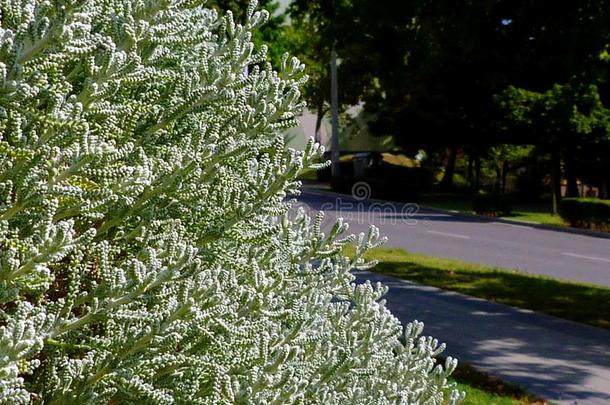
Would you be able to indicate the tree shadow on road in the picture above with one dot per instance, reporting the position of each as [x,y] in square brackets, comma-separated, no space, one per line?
[556,359]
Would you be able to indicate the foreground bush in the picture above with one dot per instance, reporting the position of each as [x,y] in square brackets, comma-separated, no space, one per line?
[147,254]
[586,212]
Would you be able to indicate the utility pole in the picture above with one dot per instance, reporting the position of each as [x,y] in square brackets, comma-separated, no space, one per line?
[334,101]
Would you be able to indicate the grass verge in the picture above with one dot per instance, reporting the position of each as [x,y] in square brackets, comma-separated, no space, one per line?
[536,213]
[523,214]
[483,389]
[477,396]
[577,302]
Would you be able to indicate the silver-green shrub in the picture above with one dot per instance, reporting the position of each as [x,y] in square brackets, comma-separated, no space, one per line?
[147,253]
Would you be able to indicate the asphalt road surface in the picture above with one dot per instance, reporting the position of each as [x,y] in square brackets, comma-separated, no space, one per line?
[562,255]
[562,361]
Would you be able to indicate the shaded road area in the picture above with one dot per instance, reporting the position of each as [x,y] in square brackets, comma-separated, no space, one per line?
[580,258]
[564,362]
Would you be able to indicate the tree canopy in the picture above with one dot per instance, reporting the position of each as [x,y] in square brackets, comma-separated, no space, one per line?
[444,74]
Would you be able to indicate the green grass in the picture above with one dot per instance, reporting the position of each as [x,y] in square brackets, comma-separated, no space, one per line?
[477,396]
[483,389]
[447,202]
[529,215]
[537,213]
[577,302]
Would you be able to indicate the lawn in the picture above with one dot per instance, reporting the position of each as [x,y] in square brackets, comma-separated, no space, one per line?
[524,213]
[477,396]
[536,213]
[483,389]
[577,302]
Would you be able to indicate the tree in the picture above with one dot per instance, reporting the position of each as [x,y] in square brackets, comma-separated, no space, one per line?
[563,120]
[551,42]
[352,26]
[440,91]
[503,159]
[455,57]
[148,253]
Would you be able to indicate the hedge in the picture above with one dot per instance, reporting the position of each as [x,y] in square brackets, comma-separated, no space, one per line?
[492,205]
[586,212]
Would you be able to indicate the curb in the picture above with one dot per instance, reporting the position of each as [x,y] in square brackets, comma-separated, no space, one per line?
[481,218]
[535,225]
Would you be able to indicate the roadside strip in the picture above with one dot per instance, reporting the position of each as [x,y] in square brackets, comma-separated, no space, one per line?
[513,225]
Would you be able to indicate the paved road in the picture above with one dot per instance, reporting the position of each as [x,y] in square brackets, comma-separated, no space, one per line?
[565,362]
[562,361]
[547,252]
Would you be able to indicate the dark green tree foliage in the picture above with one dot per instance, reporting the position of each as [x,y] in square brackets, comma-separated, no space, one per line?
[272,33]
[459,55]
[553,42]
[435,89]
[441,95]
[431,72]
[569,121]
[366,34]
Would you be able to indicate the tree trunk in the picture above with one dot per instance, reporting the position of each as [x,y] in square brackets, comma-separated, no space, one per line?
[570,162]
[319,117]
[471,180]
[447,181]
[477,172]
[604,190]
[498,181]
[555,179]
[536,178]
[504,176]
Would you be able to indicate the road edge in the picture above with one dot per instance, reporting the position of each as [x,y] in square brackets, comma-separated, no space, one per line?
[481,218]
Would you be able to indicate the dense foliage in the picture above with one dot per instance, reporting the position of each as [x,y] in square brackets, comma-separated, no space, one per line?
[147,252]
[570,121]
[586,212]
[436,75]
